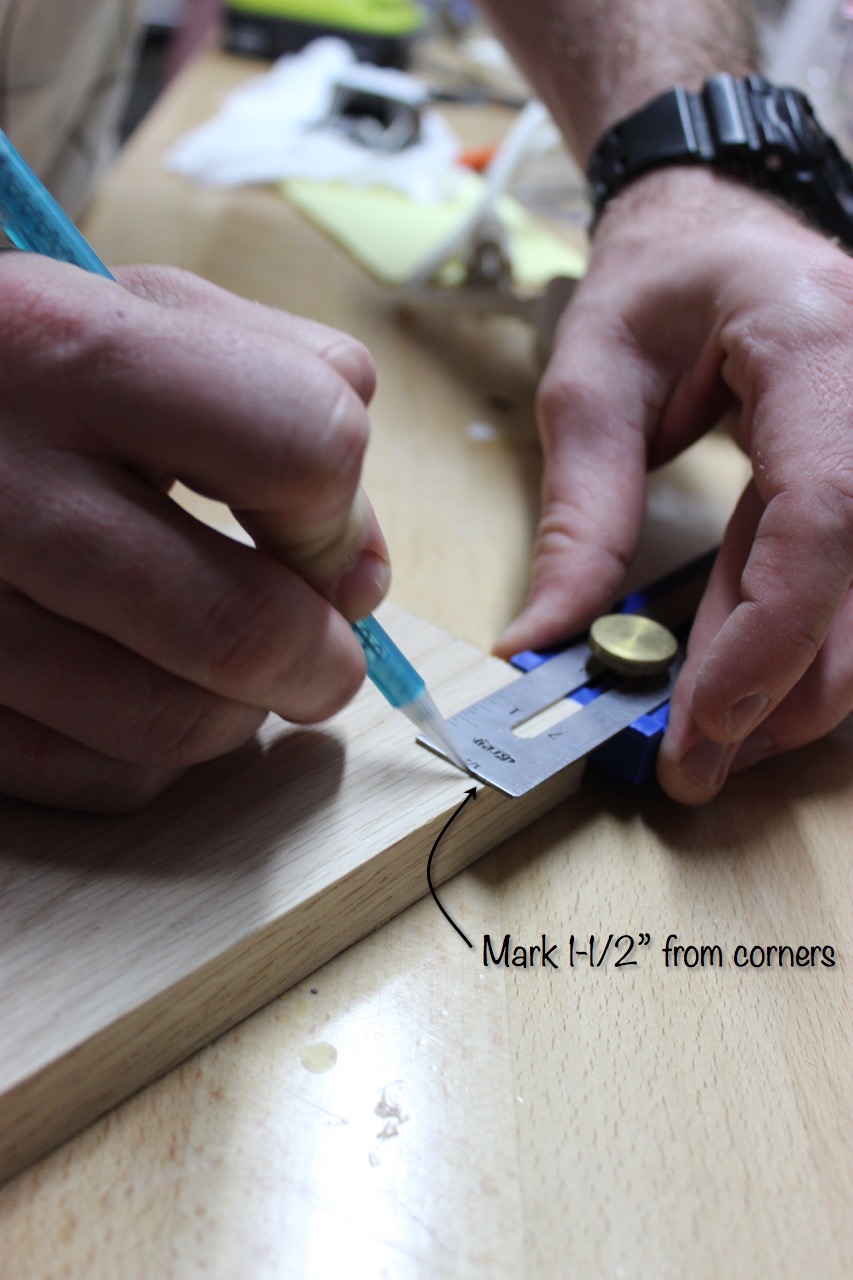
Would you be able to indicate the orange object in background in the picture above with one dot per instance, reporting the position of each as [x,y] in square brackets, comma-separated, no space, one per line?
[477,158]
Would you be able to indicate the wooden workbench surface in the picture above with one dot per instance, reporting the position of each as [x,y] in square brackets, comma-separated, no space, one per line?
[406,1111]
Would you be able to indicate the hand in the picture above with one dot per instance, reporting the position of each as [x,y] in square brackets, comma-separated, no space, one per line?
[704,297]
[135,640]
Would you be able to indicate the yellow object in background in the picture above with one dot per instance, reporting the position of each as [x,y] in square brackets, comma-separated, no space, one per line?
[378,30]
[391,235]
[382,17]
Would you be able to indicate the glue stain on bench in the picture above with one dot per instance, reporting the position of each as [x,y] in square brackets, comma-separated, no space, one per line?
[319,1057]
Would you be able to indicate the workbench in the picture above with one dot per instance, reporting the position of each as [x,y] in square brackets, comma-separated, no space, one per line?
[407,1110]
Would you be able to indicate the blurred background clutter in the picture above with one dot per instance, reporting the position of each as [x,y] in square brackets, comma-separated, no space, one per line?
[808,43]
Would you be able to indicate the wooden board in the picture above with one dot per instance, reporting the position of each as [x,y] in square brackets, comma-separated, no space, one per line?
[127,943]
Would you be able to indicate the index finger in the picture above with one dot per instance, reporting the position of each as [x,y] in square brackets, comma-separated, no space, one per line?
[593,412]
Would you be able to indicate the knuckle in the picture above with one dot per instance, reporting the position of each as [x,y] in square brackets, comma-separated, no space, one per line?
[256,653]
[43,766]
[126,788]
[346,437]
[579,403]
[315,461]
[805,319]
[562,537]
[184,725]
[557,596]
[238,638]
[56,326]
[562,399]
[805,637]
[804,548]
[37,329]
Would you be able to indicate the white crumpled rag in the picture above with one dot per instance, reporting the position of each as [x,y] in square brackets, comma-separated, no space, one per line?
[270,129]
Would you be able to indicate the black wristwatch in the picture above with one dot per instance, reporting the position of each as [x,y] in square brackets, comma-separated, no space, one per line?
[748,128]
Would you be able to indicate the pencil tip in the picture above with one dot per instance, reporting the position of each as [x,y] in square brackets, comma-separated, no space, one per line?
[426,716]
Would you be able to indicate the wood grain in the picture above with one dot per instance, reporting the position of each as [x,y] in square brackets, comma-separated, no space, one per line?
[125,944]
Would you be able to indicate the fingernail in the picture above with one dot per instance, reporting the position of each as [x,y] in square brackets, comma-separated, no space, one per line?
[704,764]
[757,747]
[363,586]
[745,714]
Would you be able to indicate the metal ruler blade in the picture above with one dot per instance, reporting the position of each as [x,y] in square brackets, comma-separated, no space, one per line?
[488,731]
[514,764]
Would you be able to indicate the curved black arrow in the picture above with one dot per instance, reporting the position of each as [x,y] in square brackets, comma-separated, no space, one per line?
[469,795]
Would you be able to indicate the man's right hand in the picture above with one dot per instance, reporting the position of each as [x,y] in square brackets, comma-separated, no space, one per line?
[135,640]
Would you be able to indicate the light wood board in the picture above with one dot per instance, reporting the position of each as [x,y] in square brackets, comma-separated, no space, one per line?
[125,944]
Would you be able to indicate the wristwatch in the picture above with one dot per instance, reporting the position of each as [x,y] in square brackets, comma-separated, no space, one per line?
[748,128]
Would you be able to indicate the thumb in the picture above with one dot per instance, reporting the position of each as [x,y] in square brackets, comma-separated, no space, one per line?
[344,557]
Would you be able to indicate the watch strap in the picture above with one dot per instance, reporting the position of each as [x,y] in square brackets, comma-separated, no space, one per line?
[748,128]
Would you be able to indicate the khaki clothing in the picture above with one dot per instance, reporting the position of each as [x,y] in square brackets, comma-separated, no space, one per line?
[65,67]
